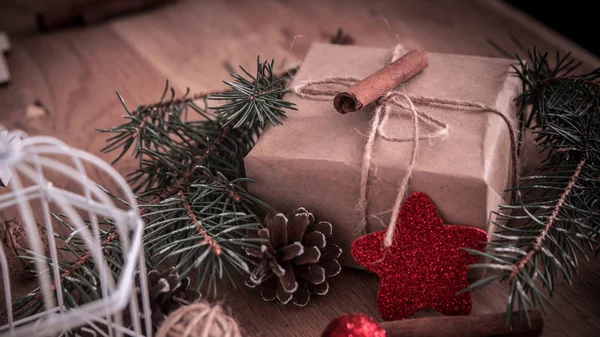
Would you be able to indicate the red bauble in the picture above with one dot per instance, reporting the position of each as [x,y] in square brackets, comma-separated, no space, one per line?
[353,325]
[425,266]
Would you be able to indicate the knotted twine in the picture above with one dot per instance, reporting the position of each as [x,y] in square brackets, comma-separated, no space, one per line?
[199,320]
[396,97]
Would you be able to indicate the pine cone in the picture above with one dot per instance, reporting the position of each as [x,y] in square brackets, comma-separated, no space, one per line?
[296,259]
[167,293]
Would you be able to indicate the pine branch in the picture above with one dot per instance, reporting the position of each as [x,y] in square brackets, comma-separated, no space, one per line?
[520,264]
[189,183]
[255,101]
[186,176]
[79,279]
[555,218]
[183,180]
[82,260]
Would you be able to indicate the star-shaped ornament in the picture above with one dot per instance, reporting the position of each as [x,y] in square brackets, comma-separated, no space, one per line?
[425,266]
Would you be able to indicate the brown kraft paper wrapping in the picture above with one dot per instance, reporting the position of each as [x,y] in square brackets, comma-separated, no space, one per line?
[314,159]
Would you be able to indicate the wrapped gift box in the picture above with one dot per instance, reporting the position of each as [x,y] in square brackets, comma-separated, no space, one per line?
[314,159]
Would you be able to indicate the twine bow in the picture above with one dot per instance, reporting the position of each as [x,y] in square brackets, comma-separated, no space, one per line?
[323,90]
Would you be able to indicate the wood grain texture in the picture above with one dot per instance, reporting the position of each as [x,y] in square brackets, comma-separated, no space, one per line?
[4,48]
[73,73]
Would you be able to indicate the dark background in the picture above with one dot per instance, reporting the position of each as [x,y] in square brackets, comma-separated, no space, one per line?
[575,19]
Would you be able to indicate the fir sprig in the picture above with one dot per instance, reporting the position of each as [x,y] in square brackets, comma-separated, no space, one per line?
[80,281]
[256,100]
[192,172]
[555,218]
[190,183]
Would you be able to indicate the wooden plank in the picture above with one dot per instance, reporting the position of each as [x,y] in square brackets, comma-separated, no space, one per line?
[74,75]
[190,44]
[74,72]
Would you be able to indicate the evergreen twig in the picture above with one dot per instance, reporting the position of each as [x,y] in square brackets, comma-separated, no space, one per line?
[190,182]
[555,218]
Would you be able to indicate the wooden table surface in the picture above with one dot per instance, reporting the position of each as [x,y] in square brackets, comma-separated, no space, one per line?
[73,73]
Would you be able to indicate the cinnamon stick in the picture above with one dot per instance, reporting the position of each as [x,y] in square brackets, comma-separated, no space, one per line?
[376,85]
[493,325]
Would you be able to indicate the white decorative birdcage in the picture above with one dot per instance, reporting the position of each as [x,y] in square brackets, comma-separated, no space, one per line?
[36,171]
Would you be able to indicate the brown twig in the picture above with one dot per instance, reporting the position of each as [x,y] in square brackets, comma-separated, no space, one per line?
[565,149]
[235,196]
[212,243]
[139,128]
[519,265]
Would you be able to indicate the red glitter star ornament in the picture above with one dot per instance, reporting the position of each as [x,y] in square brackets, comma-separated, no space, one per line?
[424,267]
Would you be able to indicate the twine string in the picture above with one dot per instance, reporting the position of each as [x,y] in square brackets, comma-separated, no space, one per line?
[199,320]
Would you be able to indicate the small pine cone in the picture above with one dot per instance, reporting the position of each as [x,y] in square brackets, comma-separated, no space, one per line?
[296,259]
[167,293]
